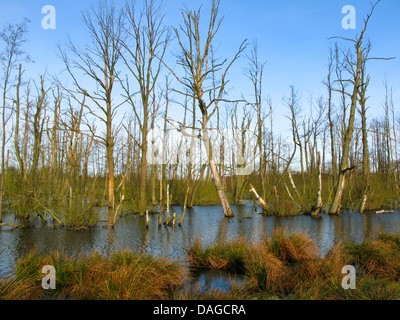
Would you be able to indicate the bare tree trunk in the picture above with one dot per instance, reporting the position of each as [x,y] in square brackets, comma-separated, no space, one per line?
[143,167]
[216,177]
[17,119]
[99,62]
[110,165]
[261,201]
[363,99]
[318,205]
[144,47]
[185,202]
[195,61]
[355,68]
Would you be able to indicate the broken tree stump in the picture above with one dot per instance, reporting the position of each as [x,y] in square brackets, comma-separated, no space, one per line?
[318,205]
[261,201]
[364,201]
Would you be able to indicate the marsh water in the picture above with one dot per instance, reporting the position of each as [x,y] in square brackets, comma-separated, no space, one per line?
[206,223]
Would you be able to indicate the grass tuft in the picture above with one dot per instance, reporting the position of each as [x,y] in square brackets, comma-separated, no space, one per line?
[123,275]
[293,248]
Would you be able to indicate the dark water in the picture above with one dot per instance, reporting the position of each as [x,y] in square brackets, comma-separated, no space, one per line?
[205,223]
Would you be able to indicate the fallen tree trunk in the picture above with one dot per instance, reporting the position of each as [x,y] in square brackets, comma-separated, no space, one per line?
[9,225]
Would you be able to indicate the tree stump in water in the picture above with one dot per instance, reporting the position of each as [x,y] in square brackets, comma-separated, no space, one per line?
[261,201]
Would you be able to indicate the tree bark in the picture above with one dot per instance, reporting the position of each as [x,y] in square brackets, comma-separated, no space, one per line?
[226,208]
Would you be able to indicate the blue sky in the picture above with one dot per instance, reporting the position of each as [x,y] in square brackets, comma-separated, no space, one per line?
[292,37]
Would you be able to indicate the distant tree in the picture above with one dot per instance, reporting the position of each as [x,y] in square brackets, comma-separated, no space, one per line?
[255,72]
[329,85]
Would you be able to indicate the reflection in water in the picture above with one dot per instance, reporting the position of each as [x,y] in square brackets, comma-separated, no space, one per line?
[208,280]
[204,223]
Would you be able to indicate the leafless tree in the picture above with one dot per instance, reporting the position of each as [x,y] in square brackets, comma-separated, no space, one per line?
[255,72]
[98,62]
[143,48]
[329,85]
[13,37]
[195,58]
[354,66]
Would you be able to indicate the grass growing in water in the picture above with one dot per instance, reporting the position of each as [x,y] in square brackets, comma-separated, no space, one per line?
[289,267]
[284,266]
[220,256]
[124,275]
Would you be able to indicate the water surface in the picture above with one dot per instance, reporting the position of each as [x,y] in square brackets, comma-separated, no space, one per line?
[205,223]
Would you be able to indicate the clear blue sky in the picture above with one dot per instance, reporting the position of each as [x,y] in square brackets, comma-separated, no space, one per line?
[292,37]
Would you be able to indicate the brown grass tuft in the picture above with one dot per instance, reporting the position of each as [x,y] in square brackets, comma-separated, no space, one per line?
[264,270]
[124,275]
[293,248]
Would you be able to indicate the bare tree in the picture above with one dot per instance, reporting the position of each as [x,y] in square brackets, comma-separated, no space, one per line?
[13,37]
[143,49]
[195,59]
[329,85]
[354,67]
[255,72]
[293,104]
[362,92]
[98,61]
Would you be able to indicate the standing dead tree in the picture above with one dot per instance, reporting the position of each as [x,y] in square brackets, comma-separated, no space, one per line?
[362,92]
[98,61]
[354,67]
[255,73]
[142,51]
[12,37]
[318,204]
[329,85]
[195,59]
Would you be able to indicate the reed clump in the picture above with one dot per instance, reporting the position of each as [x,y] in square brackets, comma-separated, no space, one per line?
[289,266]
[14,289]
[380,258]
[283,266]
[264,271]
[219,256]
[293,248]
[123,275]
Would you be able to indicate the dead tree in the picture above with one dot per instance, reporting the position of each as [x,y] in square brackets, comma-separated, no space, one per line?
[98,62]
[292,103]
[329,85]
[13,37]
[362,93]
[354,67]
[318,204]
[194,59]
[255,73]
[142,51]
[261,201]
